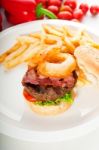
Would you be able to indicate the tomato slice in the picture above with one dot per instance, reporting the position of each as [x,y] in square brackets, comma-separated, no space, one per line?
[28,97]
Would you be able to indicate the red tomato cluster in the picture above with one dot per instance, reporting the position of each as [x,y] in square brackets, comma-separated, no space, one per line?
[19,11]
[69,9]
[66,10]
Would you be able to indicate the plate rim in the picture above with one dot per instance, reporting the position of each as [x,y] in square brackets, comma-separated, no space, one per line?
[40,136]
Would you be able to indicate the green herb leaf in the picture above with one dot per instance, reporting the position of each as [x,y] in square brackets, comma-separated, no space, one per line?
[42,11]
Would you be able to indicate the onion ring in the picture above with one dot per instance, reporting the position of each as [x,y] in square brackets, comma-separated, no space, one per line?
[47,51]
[58,69]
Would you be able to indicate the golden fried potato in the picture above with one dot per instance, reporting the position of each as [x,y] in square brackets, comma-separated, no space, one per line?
[9,51]
[50,30]
[45,45]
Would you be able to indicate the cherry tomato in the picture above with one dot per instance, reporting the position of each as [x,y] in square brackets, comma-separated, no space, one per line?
[28,96]
[78,14]
[66,8]
[66,15]
[53,9]
[94,10]
[54,2]
[71,3]
[84,7]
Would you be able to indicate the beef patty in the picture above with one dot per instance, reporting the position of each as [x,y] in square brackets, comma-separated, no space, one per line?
[44,88]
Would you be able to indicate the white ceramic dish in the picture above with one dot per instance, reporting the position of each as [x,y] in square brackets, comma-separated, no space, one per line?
[17,120]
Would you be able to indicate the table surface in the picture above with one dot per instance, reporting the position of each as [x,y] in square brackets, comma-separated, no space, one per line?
[86,142]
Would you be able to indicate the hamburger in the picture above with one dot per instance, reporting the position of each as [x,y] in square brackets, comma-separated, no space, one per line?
[48,95]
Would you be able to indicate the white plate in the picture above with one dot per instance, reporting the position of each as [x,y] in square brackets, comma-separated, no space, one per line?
[17,120]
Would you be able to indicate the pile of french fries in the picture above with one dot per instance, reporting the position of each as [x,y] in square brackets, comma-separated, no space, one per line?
[46,43]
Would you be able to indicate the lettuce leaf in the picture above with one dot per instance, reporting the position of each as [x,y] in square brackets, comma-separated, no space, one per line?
[66,98]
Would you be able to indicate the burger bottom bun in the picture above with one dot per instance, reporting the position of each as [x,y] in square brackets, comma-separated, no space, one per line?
[49,110]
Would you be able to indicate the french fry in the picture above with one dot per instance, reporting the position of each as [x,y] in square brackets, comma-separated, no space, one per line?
[43,35]
[87,35]
[84,41]
[26,39]
[50,30]
[35,35]
[89,39]
[28,54]
[18,52]
[64,49]
[76,39]
[9,51]
[68,31]
[31,51]
[31,63]
[49,41]
[95,45]
[69,45]
[82,82]
[45,45]
[59,29]
[52,39]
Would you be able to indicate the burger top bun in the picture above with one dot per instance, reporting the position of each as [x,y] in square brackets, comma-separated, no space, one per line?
[88,61]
